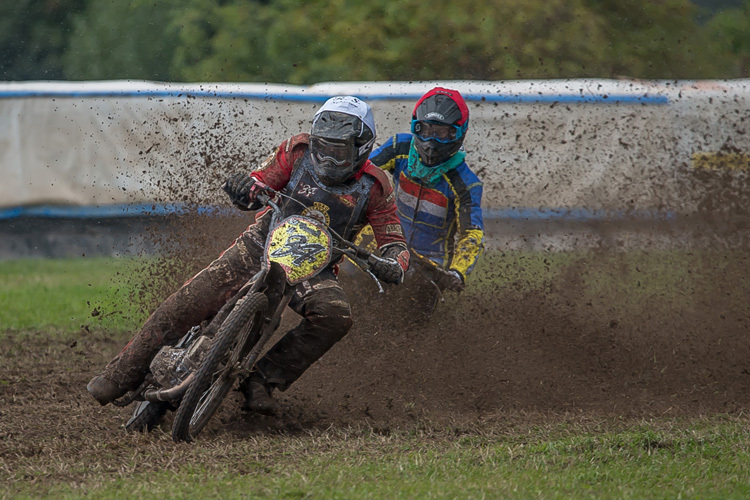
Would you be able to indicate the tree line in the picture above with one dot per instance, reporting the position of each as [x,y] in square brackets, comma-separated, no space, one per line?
[291,41]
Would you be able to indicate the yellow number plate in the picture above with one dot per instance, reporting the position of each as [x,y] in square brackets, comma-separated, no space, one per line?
[302,246]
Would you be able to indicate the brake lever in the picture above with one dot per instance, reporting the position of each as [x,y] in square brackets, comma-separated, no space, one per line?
[377,281]
[363,264]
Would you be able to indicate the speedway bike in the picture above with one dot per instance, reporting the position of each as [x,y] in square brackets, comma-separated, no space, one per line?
[194,376]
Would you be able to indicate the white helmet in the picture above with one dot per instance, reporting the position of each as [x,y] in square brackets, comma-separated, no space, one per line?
[341,139]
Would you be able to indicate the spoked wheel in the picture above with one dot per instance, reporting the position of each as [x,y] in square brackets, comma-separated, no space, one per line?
[216,375]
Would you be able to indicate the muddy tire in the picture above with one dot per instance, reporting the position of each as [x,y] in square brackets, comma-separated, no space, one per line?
[147,416]
[216,375]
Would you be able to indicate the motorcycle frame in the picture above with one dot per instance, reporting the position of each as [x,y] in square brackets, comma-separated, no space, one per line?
[270,280]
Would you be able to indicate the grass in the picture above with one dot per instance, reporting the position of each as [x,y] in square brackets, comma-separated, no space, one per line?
[700,458]
[624,284]
[66,295]
[116,294]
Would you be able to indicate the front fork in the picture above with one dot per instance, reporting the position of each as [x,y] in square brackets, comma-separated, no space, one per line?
[273,283]
[271,323]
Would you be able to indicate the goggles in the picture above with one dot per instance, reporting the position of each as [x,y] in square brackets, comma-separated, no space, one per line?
[436,131]
[339,153]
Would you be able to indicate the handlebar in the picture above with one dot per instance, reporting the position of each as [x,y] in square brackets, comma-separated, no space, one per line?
[361,256]
[269,194]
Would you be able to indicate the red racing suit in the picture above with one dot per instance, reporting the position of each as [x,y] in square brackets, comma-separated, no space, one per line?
[335,202]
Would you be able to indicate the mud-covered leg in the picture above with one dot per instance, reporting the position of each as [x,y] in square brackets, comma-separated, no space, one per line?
[326,319]
[195,301]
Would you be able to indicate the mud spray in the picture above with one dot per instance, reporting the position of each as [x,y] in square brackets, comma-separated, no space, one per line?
[611,327]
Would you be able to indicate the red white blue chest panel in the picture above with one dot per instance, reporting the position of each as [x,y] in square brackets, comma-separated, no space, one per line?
[420,204]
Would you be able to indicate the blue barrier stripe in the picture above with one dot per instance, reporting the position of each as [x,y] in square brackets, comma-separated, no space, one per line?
[499,98]
[574,214]
[162,209]
[111,211]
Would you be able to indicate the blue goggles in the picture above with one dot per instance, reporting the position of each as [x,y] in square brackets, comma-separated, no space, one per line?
[436,131]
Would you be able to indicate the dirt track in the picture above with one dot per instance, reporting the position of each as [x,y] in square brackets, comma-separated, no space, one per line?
[540,353]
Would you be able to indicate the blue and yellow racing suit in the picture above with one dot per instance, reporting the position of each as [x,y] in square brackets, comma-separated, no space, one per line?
[442,221]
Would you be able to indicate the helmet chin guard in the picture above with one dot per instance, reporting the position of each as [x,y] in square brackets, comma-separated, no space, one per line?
[341,138]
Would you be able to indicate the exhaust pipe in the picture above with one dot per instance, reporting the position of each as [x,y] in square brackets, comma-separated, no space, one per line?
[169,395]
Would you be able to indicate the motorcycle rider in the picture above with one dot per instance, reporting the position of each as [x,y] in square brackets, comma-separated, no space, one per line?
[437,195]
[328,171]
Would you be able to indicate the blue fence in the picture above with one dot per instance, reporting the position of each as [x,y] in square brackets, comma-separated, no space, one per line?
[162,209]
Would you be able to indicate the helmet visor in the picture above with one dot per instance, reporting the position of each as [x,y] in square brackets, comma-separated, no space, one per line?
[435,131]
[328,151]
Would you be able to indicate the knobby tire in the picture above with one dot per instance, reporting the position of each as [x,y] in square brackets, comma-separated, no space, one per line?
[213,381]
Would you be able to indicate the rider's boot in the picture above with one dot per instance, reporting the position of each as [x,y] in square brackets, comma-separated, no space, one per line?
[105,390]
[257,392]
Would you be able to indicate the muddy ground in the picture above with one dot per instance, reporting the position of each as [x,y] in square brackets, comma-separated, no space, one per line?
[480,359]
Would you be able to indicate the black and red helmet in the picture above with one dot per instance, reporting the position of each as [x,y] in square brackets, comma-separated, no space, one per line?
[439,124]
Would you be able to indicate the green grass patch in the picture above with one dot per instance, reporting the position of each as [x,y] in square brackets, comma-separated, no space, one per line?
[66,295]
[666,273]
[703,458]
[621,283]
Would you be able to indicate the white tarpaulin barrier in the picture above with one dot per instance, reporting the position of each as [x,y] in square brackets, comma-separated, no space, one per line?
[555,144]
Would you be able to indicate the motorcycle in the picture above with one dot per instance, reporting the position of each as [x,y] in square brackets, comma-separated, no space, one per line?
[194,376]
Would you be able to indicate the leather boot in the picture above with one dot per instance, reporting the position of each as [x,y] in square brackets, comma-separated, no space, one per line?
[104,390]
[257,394]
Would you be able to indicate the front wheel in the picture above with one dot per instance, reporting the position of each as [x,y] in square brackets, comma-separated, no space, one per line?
[147,415]
[216,375]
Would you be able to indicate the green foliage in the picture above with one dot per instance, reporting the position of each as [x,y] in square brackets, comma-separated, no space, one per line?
[33,36]
[227,41]
[117,40]
[296,42]
[732,29]
[658,40]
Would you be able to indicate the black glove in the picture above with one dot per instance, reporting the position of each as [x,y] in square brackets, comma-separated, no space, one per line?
[387,270]
[243,190]
[449,280]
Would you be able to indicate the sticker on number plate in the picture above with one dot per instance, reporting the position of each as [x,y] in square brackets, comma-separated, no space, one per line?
[302,246]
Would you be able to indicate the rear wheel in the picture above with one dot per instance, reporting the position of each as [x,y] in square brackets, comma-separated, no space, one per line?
[216,375]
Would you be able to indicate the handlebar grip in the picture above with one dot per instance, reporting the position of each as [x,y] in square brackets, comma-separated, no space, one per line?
[267,192]
[356,253]
[265,187]
[372,258]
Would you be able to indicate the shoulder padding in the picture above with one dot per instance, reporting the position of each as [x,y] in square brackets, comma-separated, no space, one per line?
[462,178]
[296,140]
[382,177]
[402,144]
